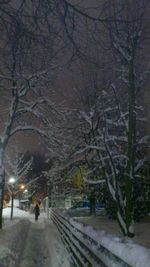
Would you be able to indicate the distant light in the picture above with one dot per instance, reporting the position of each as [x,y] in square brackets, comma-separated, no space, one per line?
[12,180]
[26,191]
[22,186]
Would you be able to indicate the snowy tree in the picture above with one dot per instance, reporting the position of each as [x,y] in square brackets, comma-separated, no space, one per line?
[22,78]
[111,29]
[114,131]
[126,39]
[35,179]
[18,166]
[18,169]
[106,143]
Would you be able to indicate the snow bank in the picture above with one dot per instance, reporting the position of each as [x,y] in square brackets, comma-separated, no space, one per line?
[134,255]
[15,203]
[16,213]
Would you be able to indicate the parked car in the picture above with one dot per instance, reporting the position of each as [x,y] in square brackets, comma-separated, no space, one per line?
[81,204]
[82,208]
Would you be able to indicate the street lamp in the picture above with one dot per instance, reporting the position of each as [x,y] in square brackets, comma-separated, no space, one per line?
[26,191]
[22,186]
[12,181]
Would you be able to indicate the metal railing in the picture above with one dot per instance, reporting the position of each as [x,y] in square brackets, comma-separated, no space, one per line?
[84,251]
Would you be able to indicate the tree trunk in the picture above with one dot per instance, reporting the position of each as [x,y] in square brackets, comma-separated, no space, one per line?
[49,194]
[129,206]
[2,181]
[12,205]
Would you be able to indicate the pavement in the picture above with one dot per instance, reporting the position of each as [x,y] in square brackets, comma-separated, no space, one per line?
[23,245]
[29,243]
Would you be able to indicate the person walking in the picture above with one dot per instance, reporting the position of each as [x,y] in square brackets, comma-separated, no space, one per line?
[92,203]
[37,212]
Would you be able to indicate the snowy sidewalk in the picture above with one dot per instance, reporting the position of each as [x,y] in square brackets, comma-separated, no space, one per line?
[26,243]
[35,251]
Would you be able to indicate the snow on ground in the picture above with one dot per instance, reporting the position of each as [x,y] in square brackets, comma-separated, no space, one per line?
[26,243]
[133,254]
[142,228]
[16,213]
[59,255]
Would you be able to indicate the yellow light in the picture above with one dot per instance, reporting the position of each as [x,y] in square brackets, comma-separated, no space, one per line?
[22,186]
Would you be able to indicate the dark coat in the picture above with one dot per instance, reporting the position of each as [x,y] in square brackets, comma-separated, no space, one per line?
[37,210]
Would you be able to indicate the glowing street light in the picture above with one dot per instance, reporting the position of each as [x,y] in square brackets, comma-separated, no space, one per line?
[12,180]
[22,187]
[26,191]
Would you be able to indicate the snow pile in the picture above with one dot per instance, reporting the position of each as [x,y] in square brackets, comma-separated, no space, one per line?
[15,203]
[16,213]
[134,255]
[4,252]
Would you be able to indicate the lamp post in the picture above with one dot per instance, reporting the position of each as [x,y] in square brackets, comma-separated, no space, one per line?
[12,182]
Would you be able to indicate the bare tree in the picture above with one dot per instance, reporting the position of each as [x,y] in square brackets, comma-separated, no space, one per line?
[114,121]
[22,79]
[18,169]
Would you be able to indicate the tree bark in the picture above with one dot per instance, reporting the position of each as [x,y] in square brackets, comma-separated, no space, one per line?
[2,181]
[12,205]
[129,207]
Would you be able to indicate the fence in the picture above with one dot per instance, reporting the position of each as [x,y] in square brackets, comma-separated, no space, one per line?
[84,251]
